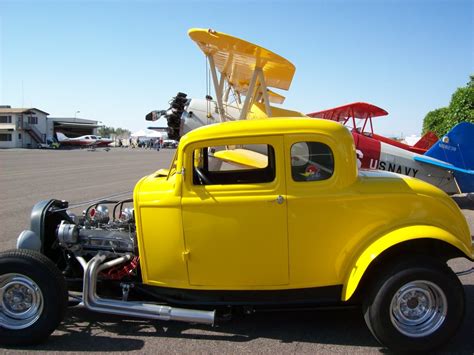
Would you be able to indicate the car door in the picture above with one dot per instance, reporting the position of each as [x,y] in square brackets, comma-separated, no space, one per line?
[234,213]
[316,209]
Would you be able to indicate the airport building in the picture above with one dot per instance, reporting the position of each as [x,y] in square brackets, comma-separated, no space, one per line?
[29,127]
[74,127]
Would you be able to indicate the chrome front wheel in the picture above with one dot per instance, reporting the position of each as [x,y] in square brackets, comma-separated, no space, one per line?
[33,297]
[21,301]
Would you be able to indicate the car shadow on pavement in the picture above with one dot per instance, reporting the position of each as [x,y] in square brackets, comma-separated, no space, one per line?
[83,330]
[336,327]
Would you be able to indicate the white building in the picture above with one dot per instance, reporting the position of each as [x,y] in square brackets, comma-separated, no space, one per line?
[27,127]
[24,127]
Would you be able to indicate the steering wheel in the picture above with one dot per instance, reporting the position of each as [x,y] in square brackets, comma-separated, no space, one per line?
[203,179]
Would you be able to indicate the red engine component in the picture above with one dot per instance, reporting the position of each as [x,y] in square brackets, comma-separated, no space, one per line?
[119,272]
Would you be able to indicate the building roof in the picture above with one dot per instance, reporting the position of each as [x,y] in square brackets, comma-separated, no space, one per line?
[73,120]
[76,124]
[20,110]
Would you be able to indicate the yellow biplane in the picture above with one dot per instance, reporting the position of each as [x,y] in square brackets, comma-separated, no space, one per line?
[242,74]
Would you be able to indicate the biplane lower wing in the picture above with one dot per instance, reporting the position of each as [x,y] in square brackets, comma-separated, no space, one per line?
[243,157]
[464,177]
[442,164]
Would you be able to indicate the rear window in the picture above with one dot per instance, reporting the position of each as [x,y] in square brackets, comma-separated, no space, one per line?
[311,161]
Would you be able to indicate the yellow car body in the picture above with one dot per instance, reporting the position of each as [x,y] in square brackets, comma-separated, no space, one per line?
[284,234]
[256,213]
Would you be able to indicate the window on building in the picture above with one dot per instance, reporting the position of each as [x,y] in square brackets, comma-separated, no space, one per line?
[5,137]
[5,119]
[32,120]
[225,165]
[311,161]
[19,135]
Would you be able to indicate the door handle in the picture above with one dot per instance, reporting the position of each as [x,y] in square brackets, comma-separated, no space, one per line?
[280,199]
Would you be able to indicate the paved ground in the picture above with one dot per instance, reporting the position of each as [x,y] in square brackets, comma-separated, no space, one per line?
[27,176]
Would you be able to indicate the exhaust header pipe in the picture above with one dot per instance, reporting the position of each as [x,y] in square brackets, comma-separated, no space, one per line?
[133,309]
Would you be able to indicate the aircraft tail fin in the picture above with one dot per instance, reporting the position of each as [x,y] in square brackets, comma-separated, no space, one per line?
[61,136]
[457,148]
[427,141]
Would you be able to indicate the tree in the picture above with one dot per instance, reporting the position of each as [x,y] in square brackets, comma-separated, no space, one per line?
[435,121]
[460,109]
[118,132]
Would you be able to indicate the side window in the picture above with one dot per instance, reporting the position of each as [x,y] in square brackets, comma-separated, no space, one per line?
[311,161]
[5,137]
[236,164]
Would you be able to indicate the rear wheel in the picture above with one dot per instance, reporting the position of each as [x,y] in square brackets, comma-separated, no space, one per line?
[33,297]
[415,305]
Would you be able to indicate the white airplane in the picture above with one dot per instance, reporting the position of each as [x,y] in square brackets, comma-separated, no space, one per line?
[83,141]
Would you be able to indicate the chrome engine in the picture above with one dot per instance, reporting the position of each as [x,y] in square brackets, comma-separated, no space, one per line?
[87,240]
[97,231]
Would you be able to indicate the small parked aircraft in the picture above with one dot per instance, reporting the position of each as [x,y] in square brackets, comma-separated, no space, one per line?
[248,70]
[83,141]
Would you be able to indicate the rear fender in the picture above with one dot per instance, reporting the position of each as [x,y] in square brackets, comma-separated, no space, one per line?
[361,262]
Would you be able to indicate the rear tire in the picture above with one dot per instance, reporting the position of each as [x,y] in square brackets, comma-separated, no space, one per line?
[33,297]
[415,305]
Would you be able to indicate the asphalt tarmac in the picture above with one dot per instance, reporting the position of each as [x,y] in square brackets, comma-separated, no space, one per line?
[28,176]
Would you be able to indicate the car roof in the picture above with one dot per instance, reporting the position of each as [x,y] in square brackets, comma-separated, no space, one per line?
[267,126]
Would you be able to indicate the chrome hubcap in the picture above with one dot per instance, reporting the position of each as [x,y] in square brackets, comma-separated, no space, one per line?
[21,301]
[418,308]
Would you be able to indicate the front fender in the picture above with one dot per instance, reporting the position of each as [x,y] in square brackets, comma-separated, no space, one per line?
[360,263]
[37,237]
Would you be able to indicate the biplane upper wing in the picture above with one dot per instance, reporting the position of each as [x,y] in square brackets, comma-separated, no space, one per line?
[237,59]
[359,110]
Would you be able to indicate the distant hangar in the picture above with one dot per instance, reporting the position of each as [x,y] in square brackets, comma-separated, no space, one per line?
[28,127]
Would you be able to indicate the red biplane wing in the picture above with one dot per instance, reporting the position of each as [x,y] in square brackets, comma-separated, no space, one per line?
[359,110]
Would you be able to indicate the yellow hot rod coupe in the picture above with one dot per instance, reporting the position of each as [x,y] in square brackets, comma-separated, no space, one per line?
[250,214]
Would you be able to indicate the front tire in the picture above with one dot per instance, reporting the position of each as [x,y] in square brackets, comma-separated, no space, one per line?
[33,297]
[415,305]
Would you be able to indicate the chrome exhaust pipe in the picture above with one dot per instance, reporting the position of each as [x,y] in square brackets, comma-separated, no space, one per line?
[94,303]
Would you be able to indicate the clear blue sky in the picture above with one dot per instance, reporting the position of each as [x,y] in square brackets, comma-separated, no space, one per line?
[115,61]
